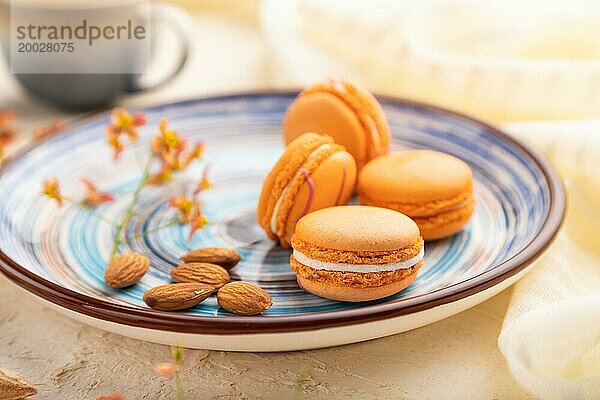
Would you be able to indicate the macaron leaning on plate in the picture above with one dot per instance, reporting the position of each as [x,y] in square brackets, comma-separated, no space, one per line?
[433,188]
[349,114]
[356,253]
[313,173]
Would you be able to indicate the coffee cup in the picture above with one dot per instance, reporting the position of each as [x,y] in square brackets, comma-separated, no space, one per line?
[83,55]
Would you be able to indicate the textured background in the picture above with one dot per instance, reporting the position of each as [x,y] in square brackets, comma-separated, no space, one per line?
[456,358]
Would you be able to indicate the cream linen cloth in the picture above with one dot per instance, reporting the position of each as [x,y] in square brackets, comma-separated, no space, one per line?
[551,333]
[493,59]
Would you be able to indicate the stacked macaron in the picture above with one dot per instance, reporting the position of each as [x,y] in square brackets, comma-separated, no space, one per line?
[312,173]
[334,131]
[356,253]
[350,115]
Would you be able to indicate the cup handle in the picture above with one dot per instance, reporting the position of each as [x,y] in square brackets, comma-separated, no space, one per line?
[177,19]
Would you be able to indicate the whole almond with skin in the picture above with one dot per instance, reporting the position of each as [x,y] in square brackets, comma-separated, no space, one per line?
[177,296]
[244,298]
[223,256]
[13,387]
[210,274]
[126,269]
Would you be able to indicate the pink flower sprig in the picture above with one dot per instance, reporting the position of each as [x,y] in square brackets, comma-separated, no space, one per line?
[121,122]
[8,132]
[197,220]
[171,368]
[189,212]
[94,197]
[7,118]
[166,368]
[204,183]
[114,396]
[49,130]
[172,152]
[169,153]
[51,189]
[183,205]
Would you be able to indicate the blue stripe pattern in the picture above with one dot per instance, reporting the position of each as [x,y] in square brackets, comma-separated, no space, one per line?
[70,246]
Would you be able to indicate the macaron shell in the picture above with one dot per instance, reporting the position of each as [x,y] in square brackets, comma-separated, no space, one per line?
[445,224]
[333,182]
[371,106]
[357,228]
[416,177]
[326,113]
[282,172]
[350,294]
[343,286]
[366,108]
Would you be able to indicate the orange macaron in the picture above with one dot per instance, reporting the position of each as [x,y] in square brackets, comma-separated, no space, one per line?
[356,253]
[435,189]
[349,114]
[314,172]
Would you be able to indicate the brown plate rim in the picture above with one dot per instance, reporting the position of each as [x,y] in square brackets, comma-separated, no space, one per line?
[236,325]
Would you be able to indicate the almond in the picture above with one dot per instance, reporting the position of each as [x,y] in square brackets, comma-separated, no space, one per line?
[210,274]
[226,258]
[126,269]
[177,296]
[244,298]
[13,387]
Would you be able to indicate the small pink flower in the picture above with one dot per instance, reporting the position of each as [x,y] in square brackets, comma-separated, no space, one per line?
[187,158]
[197,220]
[7,131]
[113,140]
[189,212]
[123,122]
[49,130]
[184,206]
[198,150]
[127,123]
[167,143]
[51,189]
[172,151]
[139,119]
[7,118]
[166,368]
[163,176]
[115,396]
[169,146]
[94,197]
[6,138]
[204,183]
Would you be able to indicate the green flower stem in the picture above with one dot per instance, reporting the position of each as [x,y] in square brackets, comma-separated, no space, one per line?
[179,385]
[301,382]
[158,228]
[129,211]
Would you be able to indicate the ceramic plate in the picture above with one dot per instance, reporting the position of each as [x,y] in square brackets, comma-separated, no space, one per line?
[60,254]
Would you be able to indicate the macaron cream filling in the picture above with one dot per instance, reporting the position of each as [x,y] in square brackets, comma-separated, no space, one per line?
[315,153]
[364,268]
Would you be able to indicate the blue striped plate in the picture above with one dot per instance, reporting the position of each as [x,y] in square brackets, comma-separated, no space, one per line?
[60,254]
